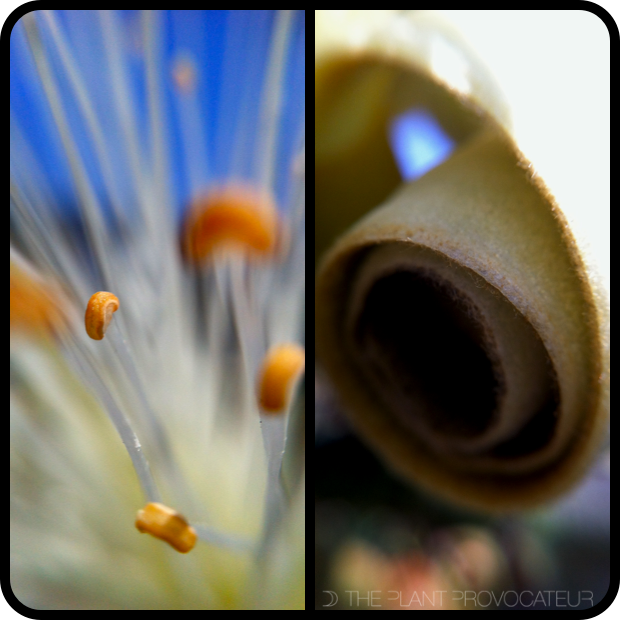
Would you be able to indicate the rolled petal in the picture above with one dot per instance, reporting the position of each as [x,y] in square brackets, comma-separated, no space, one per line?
[457,320]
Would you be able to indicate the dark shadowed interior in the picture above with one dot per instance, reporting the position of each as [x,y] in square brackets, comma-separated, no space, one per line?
[434,349]
[434,342]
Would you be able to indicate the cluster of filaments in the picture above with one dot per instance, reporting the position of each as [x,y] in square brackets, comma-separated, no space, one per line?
[237,257]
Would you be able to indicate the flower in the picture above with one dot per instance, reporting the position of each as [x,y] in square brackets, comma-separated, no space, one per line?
[132,132]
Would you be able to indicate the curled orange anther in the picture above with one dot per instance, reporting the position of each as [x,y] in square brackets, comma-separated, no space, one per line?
[234,216]
[281,368]
[99,312]
[166,524]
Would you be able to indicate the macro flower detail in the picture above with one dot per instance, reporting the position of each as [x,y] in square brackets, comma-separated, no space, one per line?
[159,159]
[452,302]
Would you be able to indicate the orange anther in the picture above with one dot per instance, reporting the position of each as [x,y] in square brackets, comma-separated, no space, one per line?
[166,524]
[234,216]
[281,367]
[99,312]
[34,306]
[184,75]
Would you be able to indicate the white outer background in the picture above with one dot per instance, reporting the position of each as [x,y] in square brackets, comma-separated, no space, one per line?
[554,68]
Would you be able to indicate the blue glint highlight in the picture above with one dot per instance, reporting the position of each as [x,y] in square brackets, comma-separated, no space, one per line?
[419,143]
